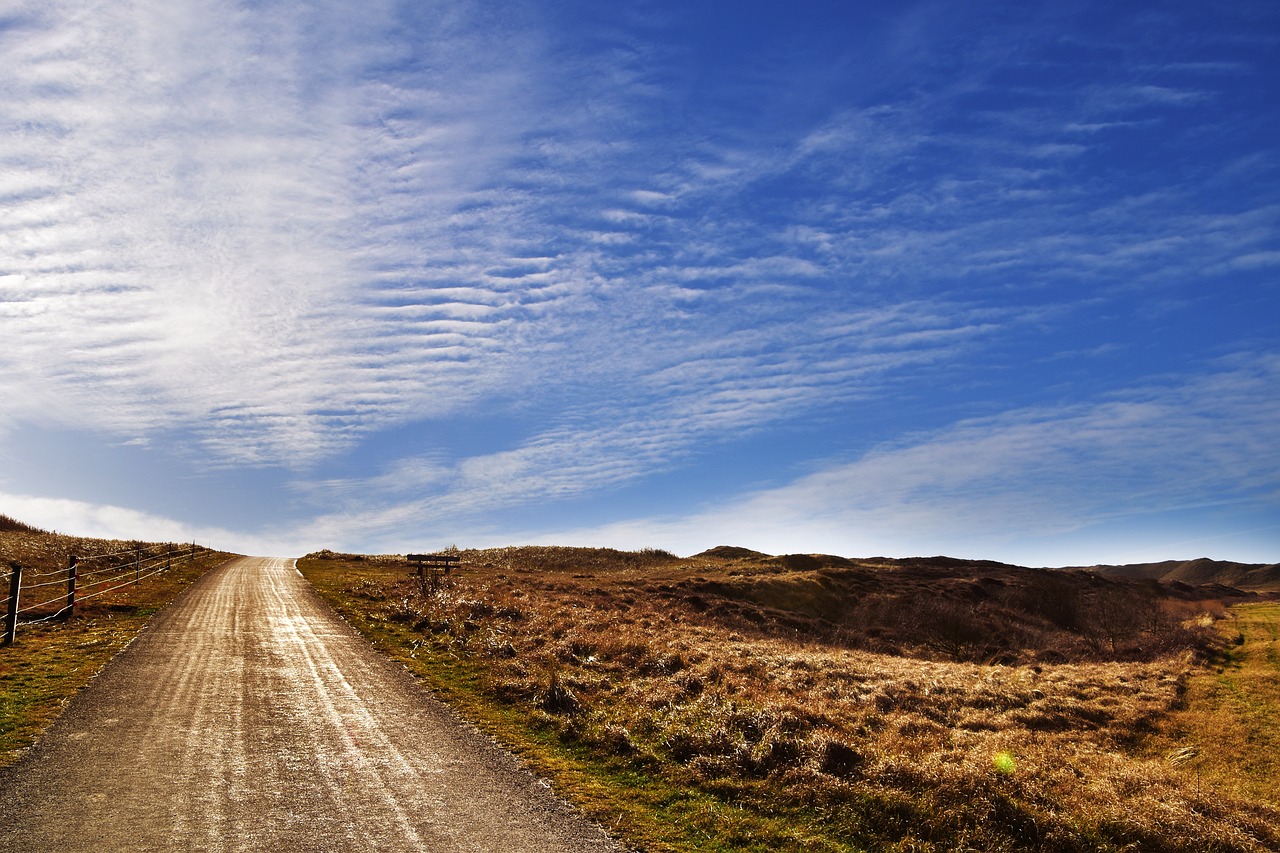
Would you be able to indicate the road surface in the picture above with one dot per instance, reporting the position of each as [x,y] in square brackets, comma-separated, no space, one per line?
[249,717]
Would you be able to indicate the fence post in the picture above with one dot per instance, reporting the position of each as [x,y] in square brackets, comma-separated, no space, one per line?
[11,617]
[168,557]
[137,564]
[71,585]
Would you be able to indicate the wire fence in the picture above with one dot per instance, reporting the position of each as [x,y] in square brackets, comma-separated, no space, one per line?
[86,577]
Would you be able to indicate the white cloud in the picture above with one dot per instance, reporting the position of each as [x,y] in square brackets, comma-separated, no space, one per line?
[1001,485]
[104,521]
[283,228]
[206,195]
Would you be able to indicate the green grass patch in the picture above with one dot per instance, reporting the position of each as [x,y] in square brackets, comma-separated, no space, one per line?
[1227,732]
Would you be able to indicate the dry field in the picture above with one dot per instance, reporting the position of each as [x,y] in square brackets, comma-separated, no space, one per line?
[732,701]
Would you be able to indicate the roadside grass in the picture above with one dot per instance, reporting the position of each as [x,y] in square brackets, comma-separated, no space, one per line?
[724,703]
[1225,735]
[628,797]
[49,662]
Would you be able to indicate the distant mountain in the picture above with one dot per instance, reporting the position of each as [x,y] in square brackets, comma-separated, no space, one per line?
[1254,577]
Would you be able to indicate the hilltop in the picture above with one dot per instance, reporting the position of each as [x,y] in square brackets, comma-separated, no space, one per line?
[1200,572]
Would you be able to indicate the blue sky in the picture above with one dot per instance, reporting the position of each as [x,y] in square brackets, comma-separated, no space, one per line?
[994,280]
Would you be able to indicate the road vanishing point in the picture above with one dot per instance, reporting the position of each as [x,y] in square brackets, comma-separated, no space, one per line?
[249,716]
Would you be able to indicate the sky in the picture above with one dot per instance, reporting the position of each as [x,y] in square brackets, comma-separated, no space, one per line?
[991,280]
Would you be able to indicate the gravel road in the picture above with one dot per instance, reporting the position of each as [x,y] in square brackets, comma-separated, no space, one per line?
[249,717]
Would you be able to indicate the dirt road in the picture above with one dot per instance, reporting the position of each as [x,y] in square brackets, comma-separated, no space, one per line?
[249,717]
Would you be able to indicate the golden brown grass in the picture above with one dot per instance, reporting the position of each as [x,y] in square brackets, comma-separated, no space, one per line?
[742,682]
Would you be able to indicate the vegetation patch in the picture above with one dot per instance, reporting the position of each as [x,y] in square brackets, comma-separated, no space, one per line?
[1225,733]
[735,701]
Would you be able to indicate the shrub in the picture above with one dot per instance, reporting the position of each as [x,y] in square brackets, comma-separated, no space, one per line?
[558,698]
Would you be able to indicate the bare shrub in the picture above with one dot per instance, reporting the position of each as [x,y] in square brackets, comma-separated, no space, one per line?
[1051,596]
[558,698]
[1135,624]
[1112,617]
[956,629]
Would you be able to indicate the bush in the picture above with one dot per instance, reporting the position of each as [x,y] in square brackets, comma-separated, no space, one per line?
[558,698]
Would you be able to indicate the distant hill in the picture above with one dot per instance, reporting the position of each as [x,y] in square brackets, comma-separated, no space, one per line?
[1254,577]
[733,552]
[1202,572]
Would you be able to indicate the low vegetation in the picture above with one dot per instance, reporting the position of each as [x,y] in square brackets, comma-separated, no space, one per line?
[51,660]
[734,701]
[1226,732]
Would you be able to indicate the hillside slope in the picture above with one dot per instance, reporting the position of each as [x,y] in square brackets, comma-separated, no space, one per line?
[1253,577]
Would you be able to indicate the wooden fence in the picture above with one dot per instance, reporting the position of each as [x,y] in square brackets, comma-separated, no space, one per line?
[85,577]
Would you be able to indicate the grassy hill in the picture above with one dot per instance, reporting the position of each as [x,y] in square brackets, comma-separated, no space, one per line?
[1253,577]
[948,608]
[735,700]
[741,701]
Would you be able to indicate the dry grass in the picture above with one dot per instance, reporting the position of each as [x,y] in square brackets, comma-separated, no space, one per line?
[13,525]
[805,710]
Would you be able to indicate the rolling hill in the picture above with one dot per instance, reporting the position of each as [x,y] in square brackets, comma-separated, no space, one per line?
[1252,577]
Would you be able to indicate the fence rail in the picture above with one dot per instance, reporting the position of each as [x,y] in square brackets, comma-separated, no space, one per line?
[86,578]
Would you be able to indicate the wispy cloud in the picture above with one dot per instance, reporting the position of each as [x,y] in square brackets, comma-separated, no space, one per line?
[324,253]
[200,216]
[991,486]
[274,234]
[682,396]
